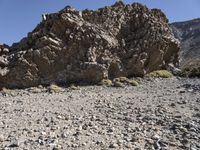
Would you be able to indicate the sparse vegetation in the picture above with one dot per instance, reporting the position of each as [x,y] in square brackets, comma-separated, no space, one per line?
[160,74]
[106,82]
[191,72]
[118,84]
[133,82]
[125,80]
[120,79]
[191,69]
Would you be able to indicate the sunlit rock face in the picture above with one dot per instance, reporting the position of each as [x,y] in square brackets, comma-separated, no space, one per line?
[88,46]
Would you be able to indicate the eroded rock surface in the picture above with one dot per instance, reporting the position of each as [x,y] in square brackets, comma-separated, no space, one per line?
[74,46]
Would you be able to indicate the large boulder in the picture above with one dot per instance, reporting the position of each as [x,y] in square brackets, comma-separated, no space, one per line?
[88,46]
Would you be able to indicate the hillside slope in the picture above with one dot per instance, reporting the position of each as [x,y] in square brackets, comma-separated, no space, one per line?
[188,33]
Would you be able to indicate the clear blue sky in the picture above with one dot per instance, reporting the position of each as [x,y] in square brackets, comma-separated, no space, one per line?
[18,17]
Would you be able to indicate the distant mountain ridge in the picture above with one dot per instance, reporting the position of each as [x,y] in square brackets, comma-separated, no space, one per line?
[188,32]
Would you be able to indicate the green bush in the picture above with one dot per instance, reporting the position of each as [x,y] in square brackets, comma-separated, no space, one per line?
[160,74]
[118,84]
[133,82]
[191,71]
[121,79]
[124,80]
[106,82]
[191,68]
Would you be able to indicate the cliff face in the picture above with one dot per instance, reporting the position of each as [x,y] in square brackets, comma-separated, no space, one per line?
[188,33]
[73,46]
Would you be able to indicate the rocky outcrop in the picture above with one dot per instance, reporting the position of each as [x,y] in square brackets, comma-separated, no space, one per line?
[88,46]
[4,50]
[188,33]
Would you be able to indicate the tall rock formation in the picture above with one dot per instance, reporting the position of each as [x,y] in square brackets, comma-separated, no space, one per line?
[88,46]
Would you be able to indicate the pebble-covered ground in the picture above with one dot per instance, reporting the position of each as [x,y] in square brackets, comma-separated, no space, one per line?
[160,114]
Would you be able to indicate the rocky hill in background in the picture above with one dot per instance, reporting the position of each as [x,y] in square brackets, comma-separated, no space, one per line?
[88,46]
[188,33]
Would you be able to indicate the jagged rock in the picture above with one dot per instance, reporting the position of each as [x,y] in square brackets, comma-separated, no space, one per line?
[74,46]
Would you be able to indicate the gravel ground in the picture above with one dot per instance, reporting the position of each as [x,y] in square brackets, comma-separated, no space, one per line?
[161,114]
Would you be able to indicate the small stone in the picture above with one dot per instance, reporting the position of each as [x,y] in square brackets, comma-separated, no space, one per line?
[177,116]
[35,90]
[182,102]
[183,129]
[196,109]
[173,104]
[134,139]
[73,87]
[190,90]
[84,144]
[113,145]
[197,115]
[57,147]
[40,141]
[182,91]
[193,130]
[2,138]
[111,130]
[156,137]
[129,145]
[186,143]
[14,144]
[162,144]
[64,135]
[74,145]
[172,144]
[43,133]
[88,134]
[59,117]
[150,141]
[120,142]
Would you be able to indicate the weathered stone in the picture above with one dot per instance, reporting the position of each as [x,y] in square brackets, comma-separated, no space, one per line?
[69,46]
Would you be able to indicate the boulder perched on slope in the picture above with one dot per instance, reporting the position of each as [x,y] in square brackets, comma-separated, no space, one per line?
[88,46]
